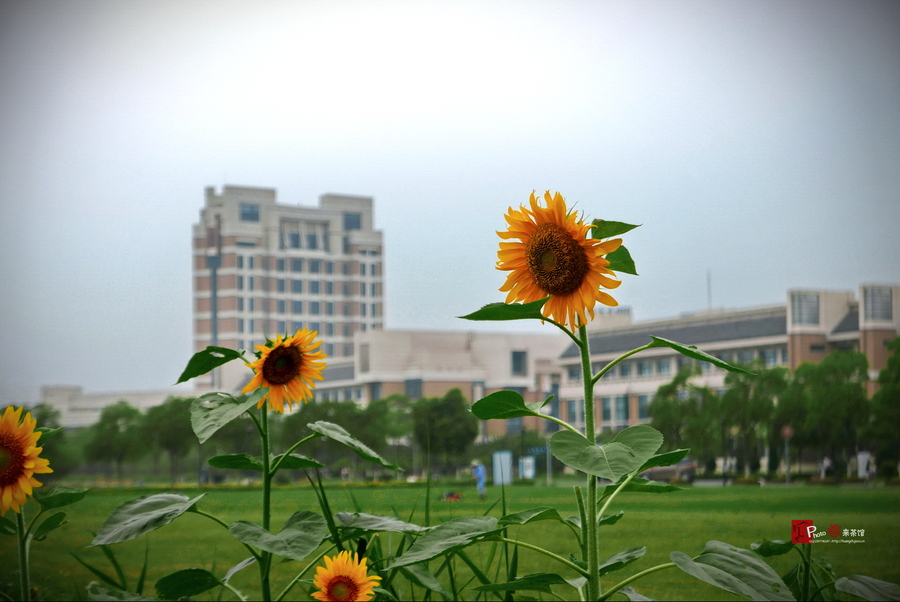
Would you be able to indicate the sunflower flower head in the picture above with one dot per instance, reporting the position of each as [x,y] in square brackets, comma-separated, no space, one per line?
[287,367]
[554,257]
[18,459]
[344,578]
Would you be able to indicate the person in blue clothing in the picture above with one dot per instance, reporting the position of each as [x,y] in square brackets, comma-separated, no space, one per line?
[480,475]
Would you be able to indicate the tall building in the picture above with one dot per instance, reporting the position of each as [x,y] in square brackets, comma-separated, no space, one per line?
[261,268]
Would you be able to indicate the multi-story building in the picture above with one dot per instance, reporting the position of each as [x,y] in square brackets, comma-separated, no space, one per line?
[262,268]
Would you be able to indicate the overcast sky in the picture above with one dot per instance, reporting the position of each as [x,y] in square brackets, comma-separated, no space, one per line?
[759,141]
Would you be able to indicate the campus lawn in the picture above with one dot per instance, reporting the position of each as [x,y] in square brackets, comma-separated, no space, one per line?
[682,521]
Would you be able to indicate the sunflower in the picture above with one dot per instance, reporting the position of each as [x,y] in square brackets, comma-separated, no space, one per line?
[344,578]
[18,459]
[287,366]
[554,257]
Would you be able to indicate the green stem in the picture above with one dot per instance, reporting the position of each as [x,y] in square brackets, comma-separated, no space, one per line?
[216,519]
[290,449]
[592,544]
[614,494]
[582,513]
[266,557]
[816,593]
[565,330]
[299,576]
[562,423]
[633,578]
[556,557]
[807,565]
[610,365]
[24,577]
[239,595]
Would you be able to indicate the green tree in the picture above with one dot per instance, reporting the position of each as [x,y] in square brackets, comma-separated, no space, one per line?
[116,436]
[884,425]
[168,427]
[669,410]
[445,425]
[327,451]
[63,458]
[793,408]
[748,404]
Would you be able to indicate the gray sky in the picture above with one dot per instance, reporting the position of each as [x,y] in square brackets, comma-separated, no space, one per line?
[757,140]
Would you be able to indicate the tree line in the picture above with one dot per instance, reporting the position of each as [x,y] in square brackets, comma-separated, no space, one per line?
[825,404]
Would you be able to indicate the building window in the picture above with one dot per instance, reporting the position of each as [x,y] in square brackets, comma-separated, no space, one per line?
[663,366]
[279,265]
[240,303]
[745,357]
[345,269]
[805,308]
[329,349]
[296,325]
[643,406]
[374,313]
[329,309]
[645,368]
[413,388]
[514,425]
[362,269]
[375,391]
[240,261]
[606,409]
[345,288]
[329,287]
[353,221]
[249,213]
[625,370]
[250,282]
[297,307]
[770,356]
[622,409]
[346,309]
[362,309]
[878,304]
[296,265]
[252,302]
[251,326]
[280,285]
[314,308]
[372,289]
[314,287]
[281,306]
[315,266]
[519,363]
[572,412]
[240,283]
[329,267]
[364,357]
[240,325]
[329,329]
[574,374]
[250,262]
[784,355]
[296,286]
[314,326]
[282,326]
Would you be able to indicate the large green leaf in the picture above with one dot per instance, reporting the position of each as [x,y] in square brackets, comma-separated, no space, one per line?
[142,515]
[296,462]
[238,567]
[530,516]
[185,583]
[666,459]
[627,452]
[868,588]
[509,311]
[502,405]
[204,361]
[50,523]
[7,527]
[373,523]
[632,595]
[111,594]
[638,484]
[774,547]
[333,431]
[738,571]
[621,560]
[601,228]
[421,576]
[692,352]
[237,462]
[299,537]
[620,261]
[536,582]
[47,432]
[59,496]
[448,537]
[212,411]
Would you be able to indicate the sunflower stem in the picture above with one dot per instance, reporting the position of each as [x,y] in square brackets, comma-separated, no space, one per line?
[291,449]
[265,562]
[592,545]
[24,576]
[612,364]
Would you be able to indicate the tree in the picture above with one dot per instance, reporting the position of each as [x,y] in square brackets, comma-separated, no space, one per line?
[445,426]
[748,404]
[668,411]
[884,425]
[116,436]
[168,426]
[58,450]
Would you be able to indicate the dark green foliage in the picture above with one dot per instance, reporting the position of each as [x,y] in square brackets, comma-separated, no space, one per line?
[168,427]
[116,436]
[883,428]
[64,457]
[446,426]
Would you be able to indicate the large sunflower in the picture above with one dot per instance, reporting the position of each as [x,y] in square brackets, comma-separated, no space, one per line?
[344,578]
[287,366]
[554,257]
[18,459]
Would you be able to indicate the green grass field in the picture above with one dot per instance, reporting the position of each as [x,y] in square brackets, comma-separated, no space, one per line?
[681,521]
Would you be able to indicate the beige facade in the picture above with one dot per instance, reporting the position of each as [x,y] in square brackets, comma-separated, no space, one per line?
[78,409]
[265,268]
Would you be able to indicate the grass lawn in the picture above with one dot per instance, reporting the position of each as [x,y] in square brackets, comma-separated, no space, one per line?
[681,521]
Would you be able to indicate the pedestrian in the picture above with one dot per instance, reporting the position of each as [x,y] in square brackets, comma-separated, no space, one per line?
[479,474]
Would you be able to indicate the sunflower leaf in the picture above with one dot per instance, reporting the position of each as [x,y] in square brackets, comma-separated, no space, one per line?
[185,583]
[501,405]
[142,515]
[204,361]
[299,537]
[626,453]
[536,582]
[692,352]
[738,571]
[621,560]
[448,537]
[95,592]
[868,588]
[333,431]
[607,229]
[54,521]
[212,411]
[59,496]
[620,261]
[509,311]
[237,462]
[296,462]
[47,432]
[7,527]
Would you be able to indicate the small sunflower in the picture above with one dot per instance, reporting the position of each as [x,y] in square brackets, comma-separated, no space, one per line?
[287,366]
[344,578]
[554,257]
[18,459]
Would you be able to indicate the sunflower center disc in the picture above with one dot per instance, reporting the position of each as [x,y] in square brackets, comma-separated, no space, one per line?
[282,365]
[556,260]
[11,461]
[342,588]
